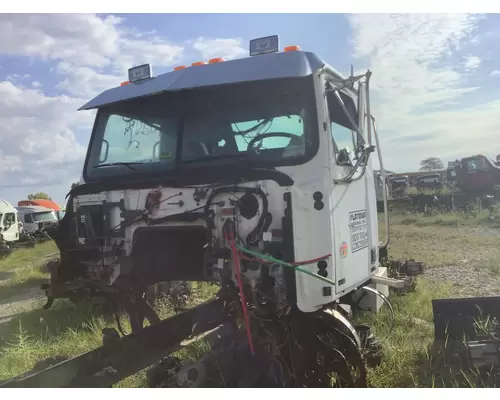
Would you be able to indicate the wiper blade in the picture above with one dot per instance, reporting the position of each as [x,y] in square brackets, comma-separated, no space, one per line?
[125,164]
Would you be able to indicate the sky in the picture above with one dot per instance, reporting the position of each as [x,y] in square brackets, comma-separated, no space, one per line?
[435,82]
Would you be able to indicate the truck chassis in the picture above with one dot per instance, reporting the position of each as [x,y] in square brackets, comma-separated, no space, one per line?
[278,360]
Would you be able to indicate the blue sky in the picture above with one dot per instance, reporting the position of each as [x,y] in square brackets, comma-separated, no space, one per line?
[436,78]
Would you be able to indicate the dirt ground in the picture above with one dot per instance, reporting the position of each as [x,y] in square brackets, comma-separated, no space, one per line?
[468,257]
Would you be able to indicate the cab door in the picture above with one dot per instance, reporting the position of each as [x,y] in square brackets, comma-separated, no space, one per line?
[10,230]
[353,204]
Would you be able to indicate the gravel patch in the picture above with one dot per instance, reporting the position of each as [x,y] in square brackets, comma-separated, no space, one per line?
[26,301]
[467,281]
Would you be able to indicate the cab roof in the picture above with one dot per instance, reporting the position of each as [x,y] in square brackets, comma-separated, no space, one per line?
[294,64]
[32,209]
[5,206]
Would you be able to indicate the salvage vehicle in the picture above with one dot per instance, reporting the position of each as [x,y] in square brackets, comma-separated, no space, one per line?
[39,222]
[399,186]
[47,203]
[477,175]
[9,222]
[429,182]
[229,172]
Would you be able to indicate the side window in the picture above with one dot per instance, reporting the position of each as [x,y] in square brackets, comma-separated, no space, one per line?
[28,218]
[471,166]
[343,135]
[131,140]
[10,219]
[476,165]
[343,138]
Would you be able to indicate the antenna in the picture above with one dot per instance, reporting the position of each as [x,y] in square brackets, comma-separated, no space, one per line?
[352,75]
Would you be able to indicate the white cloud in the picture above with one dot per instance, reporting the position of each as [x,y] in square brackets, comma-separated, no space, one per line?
[417,86]
[82,39]
[495,72]
[472,62]
[87,54]
[37,140]
[84,81]
[86,44]
[225,48]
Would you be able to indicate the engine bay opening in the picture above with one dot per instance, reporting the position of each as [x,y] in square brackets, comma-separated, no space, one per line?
[170,254]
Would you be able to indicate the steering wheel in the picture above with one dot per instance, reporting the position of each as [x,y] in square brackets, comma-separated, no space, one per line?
[259,137]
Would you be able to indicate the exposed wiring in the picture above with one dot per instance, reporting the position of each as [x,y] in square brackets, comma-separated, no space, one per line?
[232,242]
[125,225]
[296,266]
[266,259]
[265,218]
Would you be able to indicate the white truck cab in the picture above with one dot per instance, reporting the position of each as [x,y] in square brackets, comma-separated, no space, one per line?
[273,148]
[35,218]
[9,223]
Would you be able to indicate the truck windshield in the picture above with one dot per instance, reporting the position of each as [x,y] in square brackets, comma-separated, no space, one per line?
[271,122]
[44,216]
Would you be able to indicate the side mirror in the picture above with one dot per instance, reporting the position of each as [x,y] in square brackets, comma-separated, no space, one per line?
[343,157]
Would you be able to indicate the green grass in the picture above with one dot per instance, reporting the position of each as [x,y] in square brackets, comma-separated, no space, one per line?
[409,360]
[68,329]
[492,265]
[406,349]
[453,219]
[27,256]
[21,270]
[21,280]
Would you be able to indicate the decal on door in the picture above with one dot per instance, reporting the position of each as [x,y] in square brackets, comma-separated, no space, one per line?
[359,230]
[343,250]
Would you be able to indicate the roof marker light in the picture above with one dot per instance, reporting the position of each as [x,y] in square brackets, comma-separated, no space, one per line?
[140,73]
[179,67]
[291,48]
[265,45]
[195,64]
[215,60]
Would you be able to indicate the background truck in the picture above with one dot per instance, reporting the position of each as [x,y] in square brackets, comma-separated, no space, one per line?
[9,222]
[476,175]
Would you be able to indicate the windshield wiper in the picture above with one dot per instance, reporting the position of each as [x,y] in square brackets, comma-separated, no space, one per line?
[245,157]
[125,164]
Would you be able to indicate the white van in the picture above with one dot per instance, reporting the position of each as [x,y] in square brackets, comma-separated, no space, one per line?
[9,222]
[35,218]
